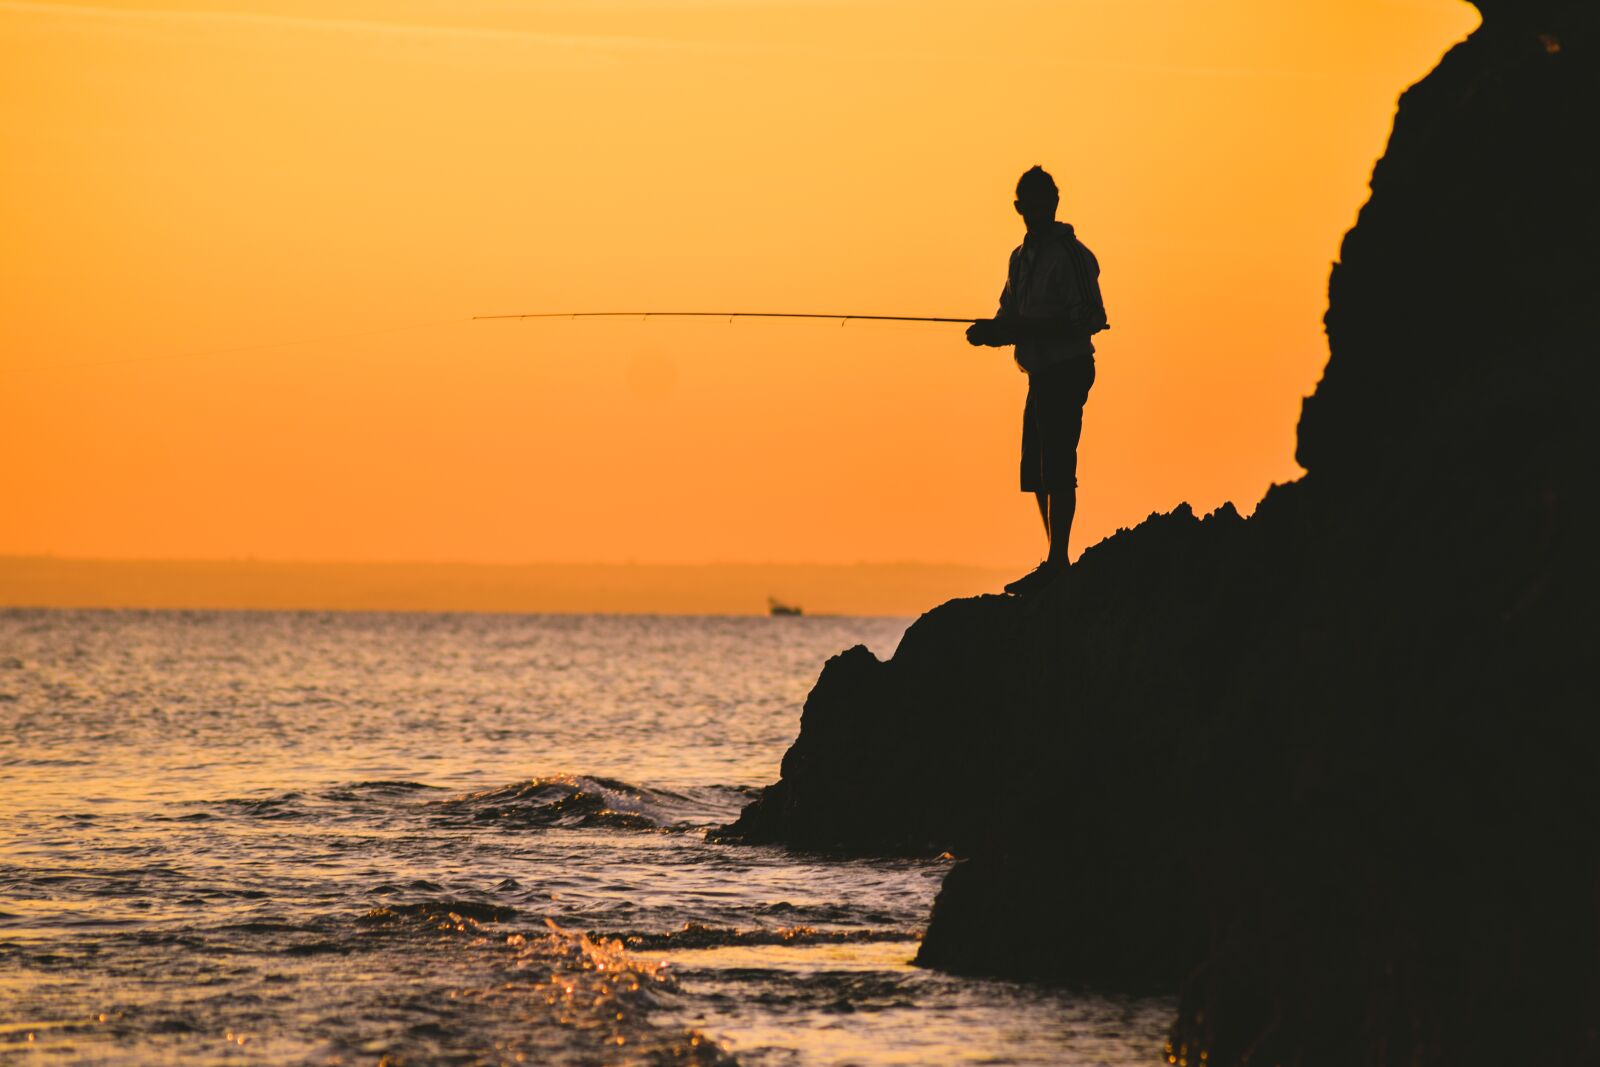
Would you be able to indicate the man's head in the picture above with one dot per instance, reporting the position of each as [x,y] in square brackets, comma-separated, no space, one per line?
[1037,198]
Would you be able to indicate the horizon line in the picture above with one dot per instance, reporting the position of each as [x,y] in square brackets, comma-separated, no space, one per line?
[420,562]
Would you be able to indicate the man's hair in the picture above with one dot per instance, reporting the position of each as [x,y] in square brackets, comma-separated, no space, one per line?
[1036,184]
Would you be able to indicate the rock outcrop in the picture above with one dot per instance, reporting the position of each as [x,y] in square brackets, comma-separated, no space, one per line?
[1333,771]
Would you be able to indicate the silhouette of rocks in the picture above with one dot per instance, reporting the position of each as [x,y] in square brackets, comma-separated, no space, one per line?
[1332,772]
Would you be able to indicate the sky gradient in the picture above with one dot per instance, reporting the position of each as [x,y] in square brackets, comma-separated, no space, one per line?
[187,186]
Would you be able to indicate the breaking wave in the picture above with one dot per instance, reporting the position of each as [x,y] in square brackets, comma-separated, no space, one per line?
[562,801]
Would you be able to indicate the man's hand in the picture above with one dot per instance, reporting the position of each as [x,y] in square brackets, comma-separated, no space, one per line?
[989,333]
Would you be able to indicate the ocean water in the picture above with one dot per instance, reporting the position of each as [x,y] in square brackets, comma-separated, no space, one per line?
[236,838]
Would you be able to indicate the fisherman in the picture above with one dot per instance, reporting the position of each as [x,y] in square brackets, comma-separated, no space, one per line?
[1049,309]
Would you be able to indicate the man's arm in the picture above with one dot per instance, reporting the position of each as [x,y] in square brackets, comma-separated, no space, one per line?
[995,332]
[1005,330]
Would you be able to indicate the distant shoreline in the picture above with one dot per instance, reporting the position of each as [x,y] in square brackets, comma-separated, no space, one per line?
[542,588]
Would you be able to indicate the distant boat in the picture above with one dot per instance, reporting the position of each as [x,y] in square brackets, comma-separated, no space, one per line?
[778,607]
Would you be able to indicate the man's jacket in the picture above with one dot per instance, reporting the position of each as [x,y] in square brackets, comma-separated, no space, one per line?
[1053,276]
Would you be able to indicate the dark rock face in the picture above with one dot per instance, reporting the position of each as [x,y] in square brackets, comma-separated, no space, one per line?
[1480,231]
[1332,772]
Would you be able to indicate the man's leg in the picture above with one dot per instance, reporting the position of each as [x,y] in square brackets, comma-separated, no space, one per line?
[1061,455]
[1034,576]
[1052,424]
[1063,503]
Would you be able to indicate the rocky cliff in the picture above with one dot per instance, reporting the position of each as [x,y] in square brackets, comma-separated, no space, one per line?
[1331,772]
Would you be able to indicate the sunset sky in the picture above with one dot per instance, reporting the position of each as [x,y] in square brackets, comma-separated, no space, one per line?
[186,186]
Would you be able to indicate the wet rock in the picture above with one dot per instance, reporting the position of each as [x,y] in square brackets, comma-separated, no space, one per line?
[1328,771]
[858,779]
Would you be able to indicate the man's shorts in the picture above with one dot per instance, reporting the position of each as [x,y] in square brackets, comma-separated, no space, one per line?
[1052,422]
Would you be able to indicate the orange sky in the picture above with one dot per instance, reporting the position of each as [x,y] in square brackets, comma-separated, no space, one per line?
[192,176]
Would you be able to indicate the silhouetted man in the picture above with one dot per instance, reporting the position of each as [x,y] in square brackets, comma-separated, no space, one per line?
[1049,309]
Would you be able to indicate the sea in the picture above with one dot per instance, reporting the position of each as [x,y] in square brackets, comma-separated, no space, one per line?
[306,838]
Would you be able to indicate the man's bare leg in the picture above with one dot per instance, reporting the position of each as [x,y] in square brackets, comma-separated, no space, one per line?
[1058,523]
[1055,509]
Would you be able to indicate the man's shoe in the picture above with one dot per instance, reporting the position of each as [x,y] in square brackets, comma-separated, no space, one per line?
[1036,579]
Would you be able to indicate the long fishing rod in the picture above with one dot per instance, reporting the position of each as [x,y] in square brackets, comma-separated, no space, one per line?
[729,315]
